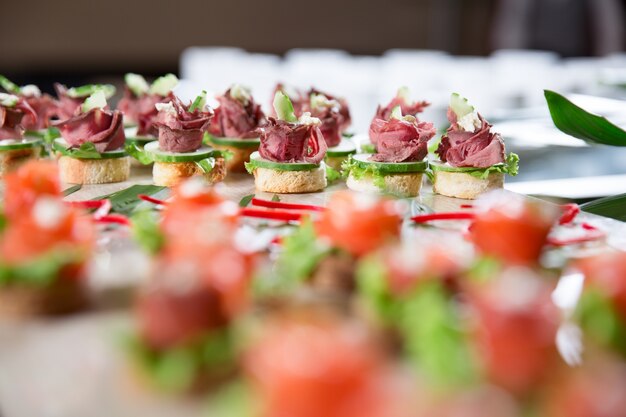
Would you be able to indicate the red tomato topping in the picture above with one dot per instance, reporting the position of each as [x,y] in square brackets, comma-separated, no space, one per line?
[358,223]
[512,228]
[24,186]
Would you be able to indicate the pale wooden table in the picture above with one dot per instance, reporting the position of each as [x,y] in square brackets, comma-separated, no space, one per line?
[75,367]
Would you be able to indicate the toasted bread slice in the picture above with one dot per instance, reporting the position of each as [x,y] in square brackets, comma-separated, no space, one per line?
[401,185]
[290,182]
[464,185]
[94,171]
[169,174]
[10,160]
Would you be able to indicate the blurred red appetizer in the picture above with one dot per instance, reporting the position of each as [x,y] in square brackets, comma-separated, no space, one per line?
[14,148]
[91,147]
[291,154]
[236,124]
[69,100]
[472,158]
[44,245]
[199,286]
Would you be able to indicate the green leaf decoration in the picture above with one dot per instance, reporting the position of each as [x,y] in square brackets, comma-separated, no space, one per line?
[136,151]
[579,123]
[600,320]
[126,201]
[9,86]
[332,174]
[86,150]
[613,207]
[245,201]
[430,323]
[206,165]
[72,189]
[275,198]
[347,135]
[351,167]
[51,134]
[41,271]
[146,231]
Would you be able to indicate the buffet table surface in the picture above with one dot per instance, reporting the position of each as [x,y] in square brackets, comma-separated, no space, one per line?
[75,365]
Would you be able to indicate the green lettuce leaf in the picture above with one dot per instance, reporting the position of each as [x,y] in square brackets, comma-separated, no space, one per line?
[41,271]
[351,167]
[136,151]
[146,231]
[579,123]
[332,174]
[86,150]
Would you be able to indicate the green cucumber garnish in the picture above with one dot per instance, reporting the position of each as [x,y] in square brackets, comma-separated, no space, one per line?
[86,150]
[89,89]
[137,84]
[9,86]
[198,103]
[510,167]
[95,101]
[256,161]
[157,155]
[163,85]
[233,142]
[345,148]
[8,100]
[460,106]
[362,160]
[284,108]
[13,145]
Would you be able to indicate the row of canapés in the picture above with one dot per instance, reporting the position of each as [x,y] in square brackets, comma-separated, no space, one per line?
[355,312]
[291,151]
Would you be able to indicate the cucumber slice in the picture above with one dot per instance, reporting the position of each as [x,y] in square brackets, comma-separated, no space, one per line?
[284,107]
[8,100]
[396,113]
[460,106]
[345,148]
[440,166]
[9,86]
[157,155]
[198,103]
[256,161]
[234,142]
[61,146]
[136,83]
[15,144]
[95,101]
[163,85]
[404,93]
[89,89]
[362,160]
[131,136]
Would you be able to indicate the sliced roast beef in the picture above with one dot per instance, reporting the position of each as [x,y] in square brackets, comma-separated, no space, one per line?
[11,119]
[401,140]
[479,149]
[43,106]
[236,118]
[103,128]
[288,142]
[333,113]
[384,113]
[66,106]
[141,110]
[181,130]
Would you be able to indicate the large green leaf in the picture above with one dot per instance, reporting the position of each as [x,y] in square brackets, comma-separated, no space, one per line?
[126,201]
[613,207]
[577,122]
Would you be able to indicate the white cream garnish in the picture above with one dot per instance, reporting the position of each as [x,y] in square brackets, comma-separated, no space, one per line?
[8,100]
[241,94]
[307,119]
[166,107]
[321,101]
[470,122]
[31,90]
[48,212]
